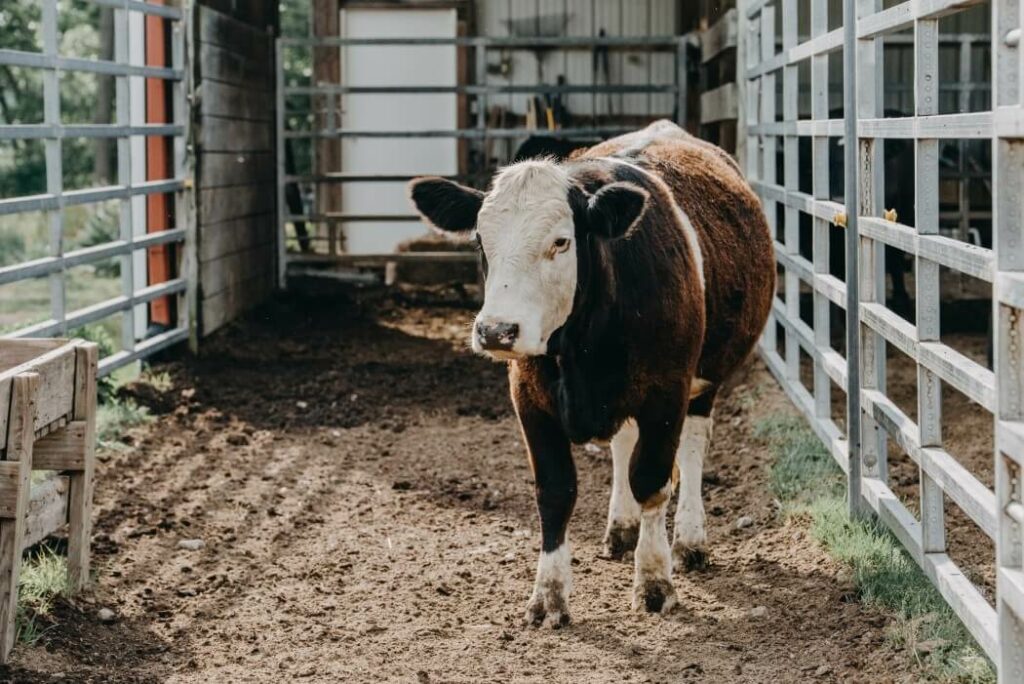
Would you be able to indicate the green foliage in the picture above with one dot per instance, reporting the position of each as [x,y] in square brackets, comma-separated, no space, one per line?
[102,227]
[808,482]
[105,387]
[116,416]
[42,579]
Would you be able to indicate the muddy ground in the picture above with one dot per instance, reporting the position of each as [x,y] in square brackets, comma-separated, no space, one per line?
[360,485]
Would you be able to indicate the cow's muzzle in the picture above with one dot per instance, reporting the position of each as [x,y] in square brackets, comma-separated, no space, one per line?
[496,336]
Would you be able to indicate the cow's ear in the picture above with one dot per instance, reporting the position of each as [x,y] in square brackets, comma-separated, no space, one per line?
[616,209]
[446,205]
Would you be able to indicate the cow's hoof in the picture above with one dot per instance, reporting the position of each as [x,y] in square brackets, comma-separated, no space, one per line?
[689,558]
[654,596]
[547,609]
[620,538]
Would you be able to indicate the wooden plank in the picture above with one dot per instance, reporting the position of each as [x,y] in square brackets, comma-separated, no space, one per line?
[222,204]
[233,269]
[219,134]
[229,67]
[719,104]
[16,352]
[62,450]
[12,530]
[232,169]
[56,369]
[47,509]
[228,30]
[236,235]
[10,483]
[721,36]
[230,100]
[81,483]
[225,306]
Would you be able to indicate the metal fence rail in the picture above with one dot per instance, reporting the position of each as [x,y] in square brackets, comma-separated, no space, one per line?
[128,71]
[872,416]
[478,132]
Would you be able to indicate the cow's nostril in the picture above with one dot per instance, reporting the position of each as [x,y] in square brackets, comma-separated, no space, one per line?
[497,336]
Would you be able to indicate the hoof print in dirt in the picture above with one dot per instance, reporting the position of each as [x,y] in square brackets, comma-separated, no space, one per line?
[547,610]
[620,539]
[654,596]
[690,559]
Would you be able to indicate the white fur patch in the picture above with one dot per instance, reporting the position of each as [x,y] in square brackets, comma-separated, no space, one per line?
[623,509]
[529,282]
[653,560]
[554,568]
[693,447]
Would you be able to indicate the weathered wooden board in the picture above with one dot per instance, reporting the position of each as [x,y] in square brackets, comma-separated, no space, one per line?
[238,33]
[47,509]
[222,204]
[237,235]
[54,398]
[229,67]
[228,304]
[236,268]
[235,101]
[719,104]
[219,134]
[230,169]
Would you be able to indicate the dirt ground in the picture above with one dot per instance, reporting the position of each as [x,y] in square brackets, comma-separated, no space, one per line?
[367,510]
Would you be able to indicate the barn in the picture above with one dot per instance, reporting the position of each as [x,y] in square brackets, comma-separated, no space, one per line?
[175,174]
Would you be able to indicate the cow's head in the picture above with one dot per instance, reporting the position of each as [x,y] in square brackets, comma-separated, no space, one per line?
[527,227]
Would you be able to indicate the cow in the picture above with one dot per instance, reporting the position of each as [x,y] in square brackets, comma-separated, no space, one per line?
[622,287]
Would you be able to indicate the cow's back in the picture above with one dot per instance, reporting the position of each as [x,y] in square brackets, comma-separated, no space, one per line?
[737,247]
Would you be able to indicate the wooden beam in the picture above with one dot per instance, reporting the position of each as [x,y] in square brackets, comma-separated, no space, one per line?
[62,450]
[19,453]
[81,482]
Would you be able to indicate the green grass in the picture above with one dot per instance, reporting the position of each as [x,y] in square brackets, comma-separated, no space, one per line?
[809,483]
[114,416]
[43,578]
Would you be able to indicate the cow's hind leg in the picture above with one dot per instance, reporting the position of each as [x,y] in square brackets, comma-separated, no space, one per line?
[555,483]
[650,479]
[690,537]
[623,510]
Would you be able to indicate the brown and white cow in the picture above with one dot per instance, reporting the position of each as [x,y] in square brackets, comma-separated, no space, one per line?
[623,286]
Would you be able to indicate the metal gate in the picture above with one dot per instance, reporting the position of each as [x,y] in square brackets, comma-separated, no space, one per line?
[872,416]
[129,188]
[322,242]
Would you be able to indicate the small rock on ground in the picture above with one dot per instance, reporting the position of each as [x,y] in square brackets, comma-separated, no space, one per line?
[744,522]
[191,544]
[106,615]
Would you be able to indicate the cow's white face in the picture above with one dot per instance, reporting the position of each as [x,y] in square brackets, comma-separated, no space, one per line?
[527,230]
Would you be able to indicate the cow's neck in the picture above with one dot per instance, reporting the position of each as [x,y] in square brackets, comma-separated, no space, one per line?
[590,351]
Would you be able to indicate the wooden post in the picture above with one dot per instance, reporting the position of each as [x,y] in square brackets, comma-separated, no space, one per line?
[21,435]
[81,481]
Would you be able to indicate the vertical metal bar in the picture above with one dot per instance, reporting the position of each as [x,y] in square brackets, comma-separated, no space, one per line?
[929,386]
[54,161]
[820,227]
[282,237]
[184,200]
[480,57]
[1007,228]
[791,169]
[682,87]
[122,97]
[853,412]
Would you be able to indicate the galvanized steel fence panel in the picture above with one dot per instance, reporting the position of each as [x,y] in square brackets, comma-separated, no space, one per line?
[872,416]
[127,69]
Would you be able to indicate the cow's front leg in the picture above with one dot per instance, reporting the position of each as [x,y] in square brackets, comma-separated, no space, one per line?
[555,482]
[651,482]
[623,510]
[690,538]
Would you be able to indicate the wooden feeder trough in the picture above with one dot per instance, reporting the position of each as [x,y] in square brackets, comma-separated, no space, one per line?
[47,422]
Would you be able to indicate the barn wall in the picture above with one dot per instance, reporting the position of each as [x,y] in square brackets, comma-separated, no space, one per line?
[235,157]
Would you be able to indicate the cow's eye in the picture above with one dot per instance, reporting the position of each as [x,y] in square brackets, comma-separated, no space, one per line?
[561,244]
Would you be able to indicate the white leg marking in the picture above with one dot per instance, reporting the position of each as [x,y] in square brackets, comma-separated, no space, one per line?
[623,510]
[549,604]
[652,582]
[690,535]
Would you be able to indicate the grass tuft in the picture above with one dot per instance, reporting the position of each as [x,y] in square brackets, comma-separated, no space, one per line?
[809,483]
[43,578]
[115,416]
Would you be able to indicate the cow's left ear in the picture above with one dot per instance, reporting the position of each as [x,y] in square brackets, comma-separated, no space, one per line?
[616,209]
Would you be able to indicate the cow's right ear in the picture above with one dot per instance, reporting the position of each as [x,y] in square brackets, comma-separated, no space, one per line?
[446,205]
